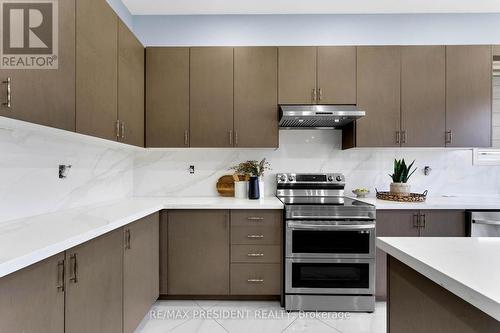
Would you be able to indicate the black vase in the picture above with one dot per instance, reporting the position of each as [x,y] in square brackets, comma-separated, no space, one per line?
[253,188]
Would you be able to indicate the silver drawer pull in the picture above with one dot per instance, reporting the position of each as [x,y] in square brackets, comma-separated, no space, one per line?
[255,280]
[255,254]
[487,222]
[255,218]
[8,98]
[255,236]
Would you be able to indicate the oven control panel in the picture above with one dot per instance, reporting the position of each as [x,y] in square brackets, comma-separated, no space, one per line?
[307,178]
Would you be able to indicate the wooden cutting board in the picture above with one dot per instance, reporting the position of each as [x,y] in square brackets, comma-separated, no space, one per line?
[225,186]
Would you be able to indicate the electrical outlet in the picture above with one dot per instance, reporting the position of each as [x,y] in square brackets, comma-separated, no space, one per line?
[191,169]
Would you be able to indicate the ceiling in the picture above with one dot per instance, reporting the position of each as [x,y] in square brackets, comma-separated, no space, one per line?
[204,7]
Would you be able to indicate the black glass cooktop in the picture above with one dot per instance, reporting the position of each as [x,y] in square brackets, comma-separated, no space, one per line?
[331,201]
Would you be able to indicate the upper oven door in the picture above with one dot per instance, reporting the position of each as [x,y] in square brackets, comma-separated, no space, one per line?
[330,239]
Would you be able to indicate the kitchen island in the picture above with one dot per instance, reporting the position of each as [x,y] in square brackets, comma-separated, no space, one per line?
[442,284]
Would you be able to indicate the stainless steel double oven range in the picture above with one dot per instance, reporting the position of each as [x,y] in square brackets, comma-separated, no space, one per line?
[329,245]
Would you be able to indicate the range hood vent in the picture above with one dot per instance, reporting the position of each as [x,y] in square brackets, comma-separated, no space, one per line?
[317,116]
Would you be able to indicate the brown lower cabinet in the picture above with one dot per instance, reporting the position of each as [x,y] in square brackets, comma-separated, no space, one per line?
[32,299]
[220,253]
[198,252]
[413,223]
[140,270]
[94,285]
[106,285]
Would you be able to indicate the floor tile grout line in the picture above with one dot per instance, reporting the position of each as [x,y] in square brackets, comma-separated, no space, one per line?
[283,330]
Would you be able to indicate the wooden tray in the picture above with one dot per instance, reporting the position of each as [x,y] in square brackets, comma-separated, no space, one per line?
[412,197]
[225,186]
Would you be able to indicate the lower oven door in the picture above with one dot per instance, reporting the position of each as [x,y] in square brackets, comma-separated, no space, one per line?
[330,276]
[330,239]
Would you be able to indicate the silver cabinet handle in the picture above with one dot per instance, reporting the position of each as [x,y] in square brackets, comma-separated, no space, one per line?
[127,240]
[60,275]
[404,137]
[487,222]
[255,255]
[235,137]
[255,280]
[255,236]
[123,130]
[422,220]
[117,128]
[8,97]
[398,137]
[320,93]
[186,137]
[449,137]
[255,218]
[416,221]
[314,95]
[73,261]
[230,137]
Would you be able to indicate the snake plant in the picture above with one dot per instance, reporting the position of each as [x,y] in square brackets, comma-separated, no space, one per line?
[402,172]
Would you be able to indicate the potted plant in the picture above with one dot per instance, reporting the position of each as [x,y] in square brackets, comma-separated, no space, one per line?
[402,173]
[255,170]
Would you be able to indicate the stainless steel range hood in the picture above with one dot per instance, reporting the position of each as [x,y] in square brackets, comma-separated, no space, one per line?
[317,116]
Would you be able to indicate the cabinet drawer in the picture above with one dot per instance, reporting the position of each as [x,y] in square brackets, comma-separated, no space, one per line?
[265,234]
[255,254]
[254,217]
[255,279]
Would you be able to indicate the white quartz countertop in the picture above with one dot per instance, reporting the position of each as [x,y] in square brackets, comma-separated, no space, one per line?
[26,241]
[443,202]
[467,267]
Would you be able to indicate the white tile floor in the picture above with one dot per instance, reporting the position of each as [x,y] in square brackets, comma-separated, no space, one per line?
[254,316]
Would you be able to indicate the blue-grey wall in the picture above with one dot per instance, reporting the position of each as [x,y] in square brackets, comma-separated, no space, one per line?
[318,29]
[122,12]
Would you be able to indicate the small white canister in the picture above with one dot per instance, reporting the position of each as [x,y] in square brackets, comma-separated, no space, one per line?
[241,190]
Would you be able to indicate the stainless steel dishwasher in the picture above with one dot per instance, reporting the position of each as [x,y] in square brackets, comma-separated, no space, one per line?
[484,224]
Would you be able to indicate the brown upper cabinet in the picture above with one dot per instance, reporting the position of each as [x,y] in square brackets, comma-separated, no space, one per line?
[211,97]
[167,97]
[96,69]
[45,96]
[423,96]
[255,97]
[130,87]
[468,96]
[317,75]
[378,93]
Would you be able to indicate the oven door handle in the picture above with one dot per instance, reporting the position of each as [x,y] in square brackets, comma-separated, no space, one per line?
[353,218]
[487,222]
[297,226]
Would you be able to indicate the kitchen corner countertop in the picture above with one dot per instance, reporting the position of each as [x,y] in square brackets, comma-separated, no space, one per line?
[26,241]
[467,267]
[444,202]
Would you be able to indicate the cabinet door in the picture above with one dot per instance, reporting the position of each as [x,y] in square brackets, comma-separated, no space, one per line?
[198,252]
[94,276]
[256,97]
[96,69]
[468,96]
[337,75]
[130,86]
[46,96]
[167,97]
[297,75]
[211,97]
[392,223]
[31,300]
[442,223]
[378,93]
[423,96]
[140,270]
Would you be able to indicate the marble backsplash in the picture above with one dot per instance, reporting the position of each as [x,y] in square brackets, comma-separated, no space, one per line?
[30,156]
[164,172]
